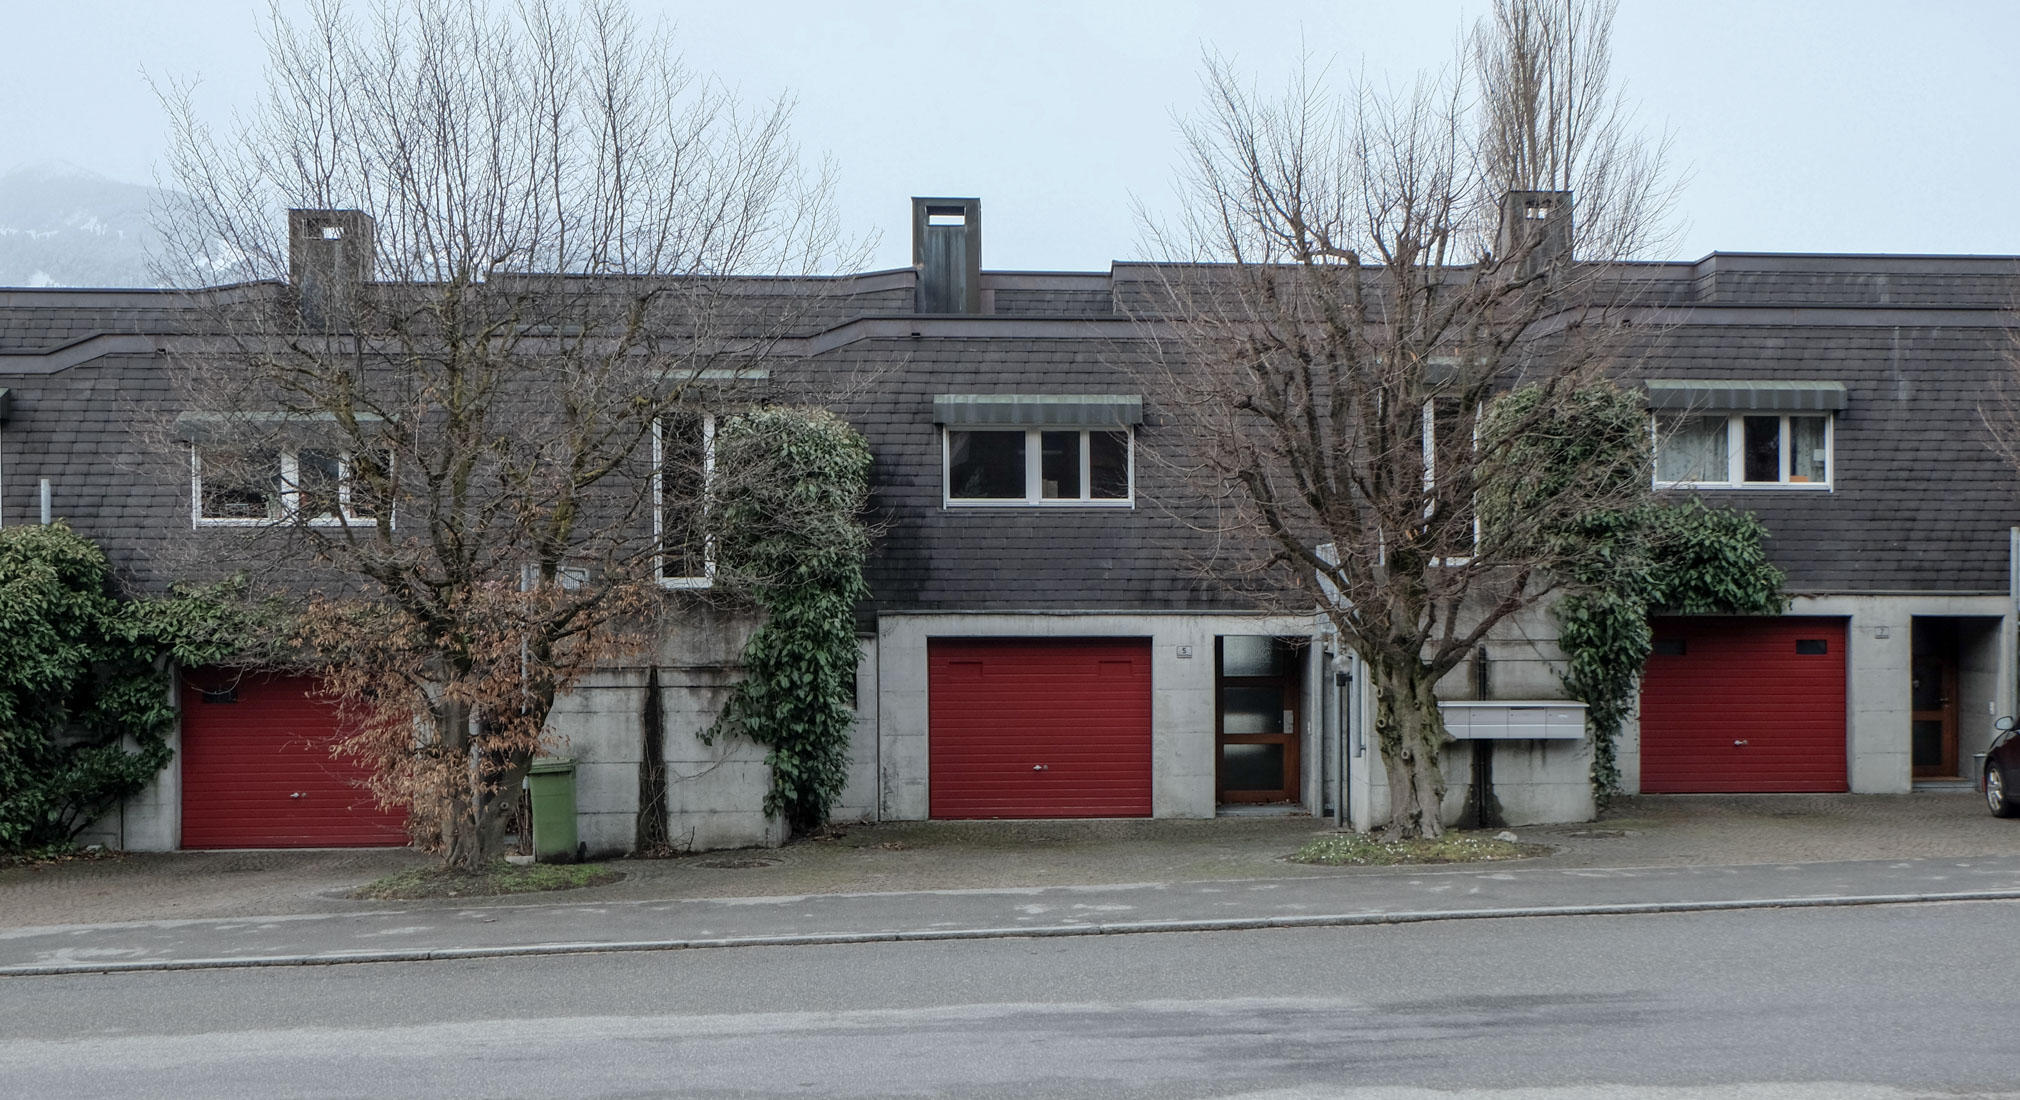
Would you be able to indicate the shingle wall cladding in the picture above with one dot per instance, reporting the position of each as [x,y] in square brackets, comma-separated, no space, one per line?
[35,329]
[931,557]
[1919,501]
[1054,303]
[81,429]
[103,433]
[819,312]
[1964,290]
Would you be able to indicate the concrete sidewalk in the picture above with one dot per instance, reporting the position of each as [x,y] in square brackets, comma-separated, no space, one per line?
[915,857]
[1419,894]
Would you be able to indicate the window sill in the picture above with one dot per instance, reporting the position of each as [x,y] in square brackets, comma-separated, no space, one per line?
[1749,486]
[1046,504]
[688,583]
[327,521]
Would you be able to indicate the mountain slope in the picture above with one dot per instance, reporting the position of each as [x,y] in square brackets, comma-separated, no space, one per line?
[61,225]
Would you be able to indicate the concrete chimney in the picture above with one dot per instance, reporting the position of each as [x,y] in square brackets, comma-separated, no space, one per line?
[947,251]
[1535,225]
[330,253]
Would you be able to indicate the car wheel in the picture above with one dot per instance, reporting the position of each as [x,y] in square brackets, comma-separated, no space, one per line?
[1997,795]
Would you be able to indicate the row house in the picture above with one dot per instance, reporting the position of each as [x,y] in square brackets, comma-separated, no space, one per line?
[1035,646]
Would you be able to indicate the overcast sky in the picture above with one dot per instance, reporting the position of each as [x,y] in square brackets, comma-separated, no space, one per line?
[1827,126]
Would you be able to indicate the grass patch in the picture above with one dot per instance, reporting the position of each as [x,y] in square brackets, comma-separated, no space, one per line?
[500,878]
[1363,850]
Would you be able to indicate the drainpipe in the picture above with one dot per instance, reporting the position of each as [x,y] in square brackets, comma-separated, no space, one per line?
[1343,694]
[877,758]
[2012,684]
[1327,722]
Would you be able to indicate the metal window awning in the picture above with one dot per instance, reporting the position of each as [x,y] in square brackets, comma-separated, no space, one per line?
[303,428]
[1038,410]
[1744,395]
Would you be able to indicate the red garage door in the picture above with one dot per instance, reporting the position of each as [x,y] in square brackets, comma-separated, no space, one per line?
[257,770]
[1026,728]
[1737,705]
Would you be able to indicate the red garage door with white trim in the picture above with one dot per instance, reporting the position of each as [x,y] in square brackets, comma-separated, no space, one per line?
[1744,705]
[257,770]
[1039,728]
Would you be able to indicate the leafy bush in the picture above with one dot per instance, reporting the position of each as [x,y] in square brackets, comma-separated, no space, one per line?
[84,698]
[792,531]
[1664,557]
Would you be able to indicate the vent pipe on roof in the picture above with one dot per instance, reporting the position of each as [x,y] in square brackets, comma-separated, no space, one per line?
[1535,229]
[330,253]
[947,252]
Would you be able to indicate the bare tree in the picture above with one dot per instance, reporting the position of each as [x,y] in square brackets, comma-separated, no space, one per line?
[1360,281]
[503,282]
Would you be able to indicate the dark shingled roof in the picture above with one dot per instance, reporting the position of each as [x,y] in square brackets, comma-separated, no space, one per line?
[1920,502]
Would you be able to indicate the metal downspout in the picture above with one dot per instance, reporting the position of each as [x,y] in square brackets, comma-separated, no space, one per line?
[1343,690]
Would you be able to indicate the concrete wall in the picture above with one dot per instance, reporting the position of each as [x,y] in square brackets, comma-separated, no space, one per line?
[150,821]
[1534,782]
[858,800]
[715,791]
[598,727]
[1182,695]
[1979,670]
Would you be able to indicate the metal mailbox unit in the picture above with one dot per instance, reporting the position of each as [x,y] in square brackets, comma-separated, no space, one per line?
[1515,720]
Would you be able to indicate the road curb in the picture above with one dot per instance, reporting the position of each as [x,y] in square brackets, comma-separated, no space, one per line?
[1119,928]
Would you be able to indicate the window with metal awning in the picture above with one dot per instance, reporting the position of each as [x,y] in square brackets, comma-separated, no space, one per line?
[1038,449]
[1744,433]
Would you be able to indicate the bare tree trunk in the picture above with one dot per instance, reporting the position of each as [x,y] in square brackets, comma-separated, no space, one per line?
[494,799]
[460,848]
[1411,733]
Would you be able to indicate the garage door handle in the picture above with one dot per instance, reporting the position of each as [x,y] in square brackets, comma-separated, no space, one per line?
[297,794]
[1739,742]
[1037,767]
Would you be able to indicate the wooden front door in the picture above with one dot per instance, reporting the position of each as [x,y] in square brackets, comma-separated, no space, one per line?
[1258,719]
[1933,729]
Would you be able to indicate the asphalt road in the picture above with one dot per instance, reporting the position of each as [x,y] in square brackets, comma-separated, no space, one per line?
[1838,1004]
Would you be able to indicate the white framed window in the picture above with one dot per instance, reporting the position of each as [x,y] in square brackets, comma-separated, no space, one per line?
[683,485]
[1744,450]
[257,488]
[1445,429]
[1046,467]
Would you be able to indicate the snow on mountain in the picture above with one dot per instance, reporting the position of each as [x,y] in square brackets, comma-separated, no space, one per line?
[61,225]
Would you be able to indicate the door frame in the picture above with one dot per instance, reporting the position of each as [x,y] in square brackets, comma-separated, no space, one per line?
[1946,713]
[1291,684]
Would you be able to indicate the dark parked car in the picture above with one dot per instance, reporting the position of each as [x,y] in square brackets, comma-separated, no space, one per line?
[2001,778]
